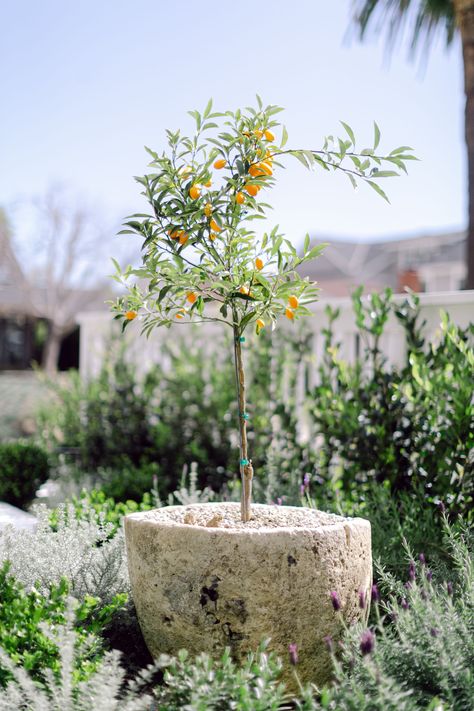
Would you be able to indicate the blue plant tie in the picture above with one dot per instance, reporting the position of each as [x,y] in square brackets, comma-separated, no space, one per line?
[244,415]
[242,339]
[243,462]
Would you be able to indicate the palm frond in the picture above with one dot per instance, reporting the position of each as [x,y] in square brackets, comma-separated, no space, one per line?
[419,21]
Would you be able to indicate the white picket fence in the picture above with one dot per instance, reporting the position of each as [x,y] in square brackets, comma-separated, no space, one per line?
[97,328]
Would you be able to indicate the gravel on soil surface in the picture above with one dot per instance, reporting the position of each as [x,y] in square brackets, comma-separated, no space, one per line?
[227,515]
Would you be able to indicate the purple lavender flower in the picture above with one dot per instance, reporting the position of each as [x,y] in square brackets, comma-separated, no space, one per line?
[302,490]
[362,599]
[449,587]
[411,571]
[329,642]
[306,480]
[422,559]
[407,585]
[429,575]
[336,601]
[434,632]
[404,604]
[279,501]
[375,595]
[367,642]
[293,651]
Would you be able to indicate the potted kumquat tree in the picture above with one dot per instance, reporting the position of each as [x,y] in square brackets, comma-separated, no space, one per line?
[213,575]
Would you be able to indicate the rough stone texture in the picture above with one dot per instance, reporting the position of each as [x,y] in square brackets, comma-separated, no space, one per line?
[205,587]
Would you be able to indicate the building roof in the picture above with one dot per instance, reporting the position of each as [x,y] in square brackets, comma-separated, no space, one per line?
[377,264]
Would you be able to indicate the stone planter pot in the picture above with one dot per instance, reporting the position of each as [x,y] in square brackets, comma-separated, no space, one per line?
[203,581]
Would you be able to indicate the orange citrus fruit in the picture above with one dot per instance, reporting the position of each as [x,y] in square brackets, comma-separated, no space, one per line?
[289,314]
[208,209]
[260,323]
[220,163]
[212,236]
[244,290]
[240,198]
[191,297]
[180,313]
[258,133]
[214,226]
[269,135]
[130,315]
[255,170]
[259,263]
[208,184]
[252,189]
[183,237]
[293,301]
[194,192]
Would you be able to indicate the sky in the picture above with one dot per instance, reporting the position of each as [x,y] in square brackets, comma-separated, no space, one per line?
[85,85]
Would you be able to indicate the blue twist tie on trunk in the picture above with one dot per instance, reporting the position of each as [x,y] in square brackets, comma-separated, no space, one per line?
[243,462]
[244,415]
[242,339]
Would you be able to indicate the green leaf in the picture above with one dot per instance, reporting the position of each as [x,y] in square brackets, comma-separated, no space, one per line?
[208,109]
[352,179]
[284,137]
[378,189]
[299,156]
[401,149]
[385,173]
[376,135]
[246,319]
[349,132]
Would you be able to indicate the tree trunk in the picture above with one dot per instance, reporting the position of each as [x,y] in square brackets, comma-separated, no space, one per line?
[246,469]
[52,347]
[464,10]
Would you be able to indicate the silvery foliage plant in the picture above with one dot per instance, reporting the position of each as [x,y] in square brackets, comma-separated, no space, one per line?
[81,550]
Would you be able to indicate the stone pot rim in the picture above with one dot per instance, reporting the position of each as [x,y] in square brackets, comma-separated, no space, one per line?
[339,523]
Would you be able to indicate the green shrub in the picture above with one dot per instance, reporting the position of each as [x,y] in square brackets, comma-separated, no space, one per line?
[205,684]
[23,614]
[104,508]
[102,688]
[411,427]
[104,421]
[23,468]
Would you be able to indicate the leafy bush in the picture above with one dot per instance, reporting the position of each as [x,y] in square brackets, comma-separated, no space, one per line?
[103,688]
[104,508]
[126,431]
[412,427]
[81,550]
[202,684]
[23,468]
[407,517]
[23,614]
[420,653]
[104,421]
